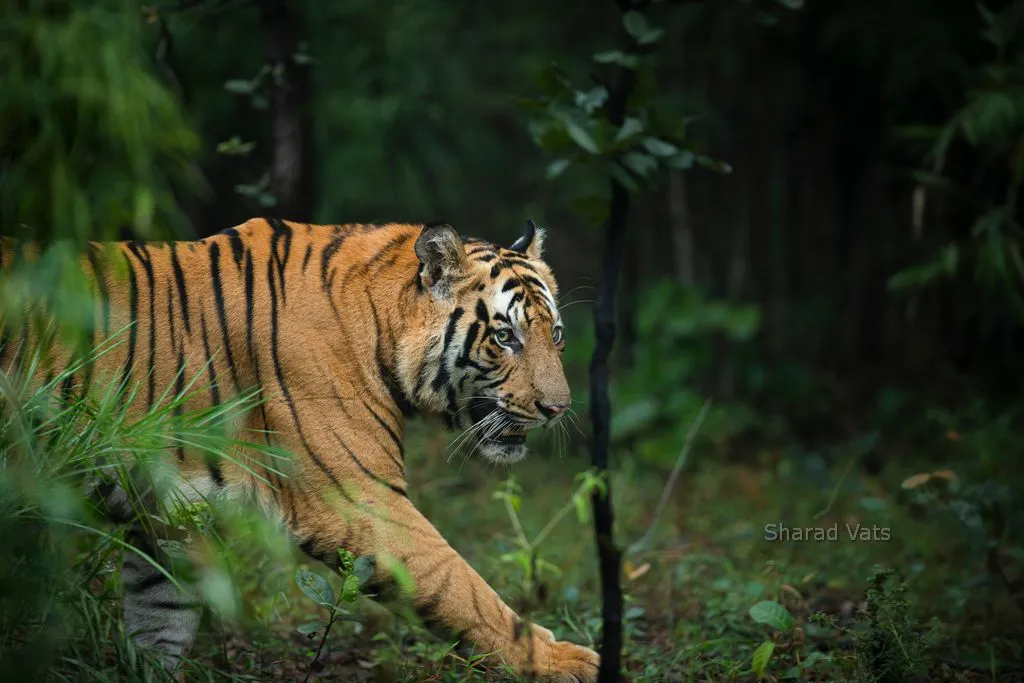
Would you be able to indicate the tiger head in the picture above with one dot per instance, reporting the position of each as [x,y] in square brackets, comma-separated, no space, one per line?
[493,362]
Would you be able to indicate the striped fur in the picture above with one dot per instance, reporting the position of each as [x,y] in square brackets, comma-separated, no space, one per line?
[347,331]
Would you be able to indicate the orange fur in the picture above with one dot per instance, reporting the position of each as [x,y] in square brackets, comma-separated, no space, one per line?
[348,330]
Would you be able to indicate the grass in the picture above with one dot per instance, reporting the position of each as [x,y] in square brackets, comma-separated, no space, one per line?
[929,589]
[688,614]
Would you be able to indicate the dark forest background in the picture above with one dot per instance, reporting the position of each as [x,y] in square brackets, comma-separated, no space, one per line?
[823,238]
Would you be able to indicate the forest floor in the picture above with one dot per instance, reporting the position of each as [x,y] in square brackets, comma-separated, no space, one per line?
[690,596]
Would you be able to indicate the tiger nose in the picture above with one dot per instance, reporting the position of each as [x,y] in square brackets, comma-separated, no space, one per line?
[551,410]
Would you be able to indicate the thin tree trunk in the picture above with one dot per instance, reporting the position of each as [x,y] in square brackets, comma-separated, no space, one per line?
[609,555]
[682,228]
[291,178]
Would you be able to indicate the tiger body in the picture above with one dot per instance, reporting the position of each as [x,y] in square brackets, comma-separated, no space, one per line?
[346,331]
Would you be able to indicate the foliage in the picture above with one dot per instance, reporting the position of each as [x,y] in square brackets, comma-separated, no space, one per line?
[58,548]
[576,125]
[989,119]
[89,146]
[526,556]
[677,331]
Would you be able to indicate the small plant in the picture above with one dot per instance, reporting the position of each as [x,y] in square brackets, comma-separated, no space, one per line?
[354,573]
[526,555]
[892,649]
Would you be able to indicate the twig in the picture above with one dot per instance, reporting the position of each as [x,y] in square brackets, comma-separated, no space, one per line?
[323,639]
[644,542]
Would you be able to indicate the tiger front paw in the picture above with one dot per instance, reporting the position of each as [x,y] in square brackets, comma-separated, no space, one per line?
[565,662]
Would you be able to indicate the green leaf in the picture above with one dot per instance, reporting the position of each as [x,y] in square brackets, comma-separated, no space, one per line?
[364,568]
[311,627]
[872,504]
[556,168]
[240,86]
[350,589]
[630,128]
[581,137]
[713,164]
[659,147]
[762,655]
[636,25]
[314,587]
[634,417]
[772,614]
[682,161]
[618,58]
[590,100]
[943,264]
[813,659]
[346,561]
[235,147]
[582,509]
[641,164]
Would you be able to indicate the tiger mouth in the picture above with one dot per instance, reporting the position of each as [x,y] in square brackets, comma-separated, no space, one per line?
[510,436]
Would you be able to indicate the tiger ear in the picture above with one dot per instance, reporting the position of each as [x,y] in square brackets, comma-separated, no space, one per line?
[532,241]
[442,257]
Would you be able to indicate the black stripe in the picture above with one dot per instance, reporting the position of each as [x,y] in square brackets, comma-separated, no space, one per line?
[279,376]
[218,300]
[179,388]
[133,312]
[237,248]
[391,433]
[481,312]
[511,283]
[179,279]
[393,243]
[167,605]
[442,371]
[394,387]
[463,360]
[214,469]
[308,547]
[359,463]
[250,312]
[281,232]
[148,581]
[99,273]
[327,255]
[305,259]
[534,281]
[179,376]
[214,389]
[141,252]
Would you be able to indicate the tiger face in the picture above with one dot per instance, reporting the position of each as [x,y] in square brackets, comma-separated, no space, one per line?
[497,341]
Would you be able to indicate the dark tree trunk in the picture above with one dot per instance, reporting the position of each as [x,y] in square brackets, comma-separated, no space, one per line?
[291,177]
[609,555]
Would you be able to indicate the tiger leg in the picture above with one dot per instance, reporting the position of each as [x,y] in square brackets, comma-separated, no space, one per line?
[448,593]
[159,615]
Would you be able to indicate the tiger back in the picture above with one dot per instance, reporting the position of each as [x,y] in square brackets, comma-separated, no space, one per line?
[344,332]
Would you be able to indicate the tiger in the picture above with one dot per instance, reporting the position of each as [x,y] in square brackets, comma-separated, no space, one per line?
[347,331]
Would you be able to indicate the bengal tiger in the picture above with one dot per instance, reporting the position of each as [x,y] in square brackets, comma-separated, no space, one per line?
[347,331]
